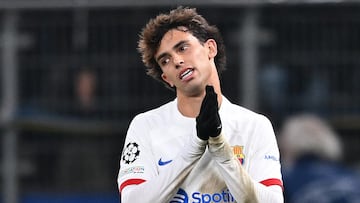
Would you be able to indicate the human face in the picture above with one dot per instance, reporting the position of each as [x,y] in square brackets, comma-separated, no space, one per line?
[186,63]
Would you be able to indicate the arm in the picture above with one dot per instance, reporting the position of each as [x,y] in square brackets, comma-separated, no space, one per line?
[240,184]
[145,184]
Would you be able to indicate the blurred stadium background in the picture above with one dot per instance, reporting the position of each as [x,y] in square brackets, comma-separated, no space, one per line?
[71,81]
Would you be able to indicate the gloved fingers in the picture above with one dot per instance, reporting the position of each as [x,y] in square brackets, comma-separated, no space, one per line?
[212,96]
[208,120]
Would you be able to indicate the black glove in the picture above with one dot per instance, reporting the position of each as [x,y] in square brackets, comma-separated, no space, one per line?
[208,121]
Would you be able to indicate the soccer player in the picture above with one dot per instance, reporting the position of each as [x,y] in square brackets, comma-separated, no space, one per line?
[199,147]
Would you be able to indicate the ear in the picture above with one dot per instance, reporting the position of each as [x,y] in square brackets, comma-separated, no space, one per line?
[163,76]
[212,47]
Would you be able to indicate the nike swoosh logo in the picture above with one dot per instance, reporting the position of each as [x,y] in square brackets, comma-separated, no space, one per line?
[163,163]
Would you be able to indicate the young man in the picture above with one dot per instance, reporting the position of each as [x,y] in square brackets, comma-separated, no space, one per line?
[198,147]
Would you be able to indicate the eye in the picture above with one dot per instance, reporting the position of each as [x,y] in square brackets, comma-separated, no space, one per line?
[183,48]
[164,61]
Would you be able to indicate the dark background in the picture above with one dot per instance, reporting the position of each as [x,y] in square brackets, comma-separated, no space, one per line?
[307,60]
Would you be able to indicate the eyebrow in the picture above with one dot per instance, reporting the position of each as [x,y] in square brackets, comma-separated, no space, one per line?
[177,45]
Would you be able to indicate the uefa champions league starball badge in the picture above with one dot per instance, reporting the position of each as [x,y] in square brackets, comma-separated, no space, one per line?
[131,153]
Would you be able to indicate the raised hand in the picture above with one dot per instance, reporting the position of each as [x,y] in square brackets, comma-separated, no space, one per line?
[208,123]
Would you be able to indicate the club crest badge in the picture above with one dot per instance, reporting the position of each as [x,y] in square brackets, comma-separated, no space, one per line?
[131,153]
[238,153]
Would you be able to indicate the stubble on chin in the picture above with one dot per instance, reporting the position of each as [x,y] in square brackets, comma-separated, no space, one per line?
[194,91]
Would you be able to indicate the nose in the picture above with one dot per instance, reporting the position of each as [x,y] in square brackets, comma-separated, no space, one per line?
[179,64]
[178,61]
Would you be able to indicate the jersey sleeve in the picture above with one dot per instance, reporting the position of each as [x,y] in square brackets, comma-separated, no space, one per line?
[264,158]
[250,185]
[136,163]
[139,179]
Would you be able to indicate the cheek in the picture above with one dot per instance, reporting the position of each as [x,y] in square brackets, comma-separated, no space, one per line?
[201,59]
[167,79]
[201,55]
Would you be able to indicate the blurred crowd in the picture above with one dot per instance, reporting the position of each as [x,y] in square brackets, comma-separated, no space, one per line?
[312,165]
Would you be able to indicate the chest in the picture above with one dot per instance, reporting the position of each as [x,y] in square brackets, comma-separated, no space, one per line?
[168,141]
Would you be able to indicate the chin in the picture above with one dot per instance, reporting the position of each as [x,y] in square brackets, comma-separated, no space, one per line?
[194,90]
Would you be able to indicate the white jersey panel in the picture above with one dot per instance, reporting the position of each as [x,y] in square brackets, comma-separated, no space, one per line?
[161,134]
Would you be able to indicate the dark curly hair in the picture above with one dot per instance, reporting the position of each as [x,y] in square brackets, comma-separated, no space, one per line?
[152,34]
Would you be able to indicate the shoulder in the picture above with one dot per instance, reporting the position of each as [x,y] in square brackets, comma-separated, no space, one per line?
[236,112]
[252,126]
[161,112]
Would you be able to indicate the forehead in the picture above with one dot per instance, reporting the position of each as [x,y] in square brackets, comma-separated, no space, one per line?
[172,38]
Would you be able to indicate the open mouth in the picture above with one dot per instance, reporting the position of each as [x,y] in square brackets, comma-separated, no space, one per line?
[186,73]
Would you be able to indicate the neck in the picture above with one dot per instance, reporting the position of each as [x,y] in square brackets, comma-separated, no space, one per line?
[189,106]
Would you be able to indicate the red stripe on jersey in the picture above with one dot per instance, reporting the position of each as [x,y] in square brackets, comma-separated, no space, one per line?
[272,181]
[131,182]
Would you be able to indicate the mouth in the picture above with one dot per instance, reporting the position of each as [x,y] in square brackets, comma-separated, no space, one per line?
[185,74]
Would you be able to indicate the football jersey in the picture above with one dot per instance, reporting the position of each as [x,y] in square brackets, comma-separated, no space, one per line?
[156,138]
